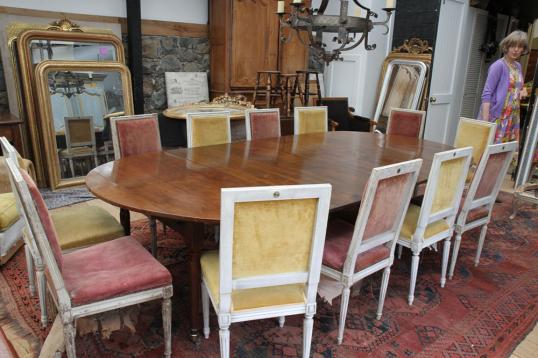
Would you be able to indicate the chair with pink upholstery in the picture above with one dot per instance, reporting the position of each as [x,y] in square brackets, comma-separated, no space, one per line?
[132,135]
[103,277]
[269,260]
[354,252]
[478,202]
[406,122]
[262,123]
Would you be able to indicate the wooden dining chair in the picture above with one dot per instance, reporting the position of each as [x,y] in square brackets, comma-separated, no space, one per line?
[478,202]
[205,129]
[433,220]
[269,260]
[262,123]
[310,120]
[100,278]
[134,135]
[406,122]
[353,252]
[77,227]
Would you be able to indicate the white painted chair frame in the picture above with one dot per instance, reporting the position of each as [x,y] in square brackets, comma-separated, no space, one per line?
[194,115]
[118,155]
[488,202]
[34,263]
[67,312]
[248,128]
[414,111]
[426,217]
[296,111]
[348,277]
[229,197]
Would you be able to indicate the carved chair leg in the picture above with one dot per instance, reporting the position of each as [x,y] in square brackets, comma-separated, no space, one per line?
[446,252]
[480,244]
[205,310]
[30,269]
[69,337]
[167,327]
[344,302]
[383,291]
[281,321]
[455,251]
[308,327]
[413,281]
[224,337]
[42,293]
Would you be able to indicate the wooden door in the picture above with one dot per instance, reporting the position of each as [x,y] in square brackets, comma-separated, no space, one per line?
[254,40]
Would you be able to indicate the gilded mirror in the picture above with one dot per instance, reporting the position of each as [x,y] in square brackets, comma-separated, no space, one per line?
[403,81]
[76,101]
[35,46]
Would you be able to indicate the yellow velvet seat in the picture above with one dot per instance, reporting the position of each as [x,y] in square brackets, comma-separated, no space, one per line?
[253,297]
[410,224]
[83,226]
[8,211]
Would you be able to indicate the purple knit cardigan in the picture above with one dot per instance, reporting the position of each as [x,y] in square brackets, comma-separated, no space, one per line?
[496,87]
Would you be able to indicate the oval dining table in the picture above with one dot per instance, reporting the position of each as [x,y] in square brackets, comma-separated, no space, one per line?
[181,187]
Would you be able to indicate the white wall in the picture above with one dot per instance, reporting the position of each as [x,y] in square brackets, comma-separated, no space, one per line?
[357,75]
[190,11]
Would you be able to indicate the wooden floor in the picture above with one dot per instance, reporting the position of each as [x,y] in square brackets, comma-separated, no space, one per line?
[529,347]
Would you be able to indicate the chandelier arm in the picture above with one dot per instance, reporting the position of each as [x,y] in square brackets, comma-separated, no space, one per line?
[355,44]
[323,6]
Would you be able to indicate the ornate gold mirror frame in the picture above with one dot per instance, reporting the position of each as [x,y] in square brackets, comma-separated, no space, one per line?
[414,52]
[45,114]
[59,31]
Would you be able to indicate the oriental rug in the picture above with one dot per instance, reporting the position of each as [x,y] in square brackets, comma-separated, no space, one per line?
[484,311]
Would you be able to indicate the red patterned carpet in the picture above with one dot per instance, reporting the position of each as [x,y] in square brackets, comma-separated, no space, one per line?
[484,312]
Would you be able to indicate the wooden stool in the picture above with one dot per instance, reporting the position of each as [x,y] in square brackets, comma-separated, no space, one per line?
[304,92]
[287,83]
[267,87]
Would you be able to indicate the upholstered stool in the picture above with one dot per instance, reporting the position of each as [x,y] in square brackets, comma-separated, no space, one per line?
[267,88]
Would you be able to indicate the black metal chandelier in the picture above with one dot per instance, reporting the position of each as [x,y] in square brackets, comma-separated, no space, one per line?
[67,84]
[350,31]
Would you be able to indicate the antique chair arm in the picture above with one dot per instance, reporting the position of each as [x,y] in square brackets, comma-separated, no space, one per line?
[360,124]
[333,125]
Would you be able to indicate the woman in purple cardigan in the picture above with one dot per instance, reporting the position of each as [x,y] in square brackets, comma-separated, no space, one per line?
[504,88]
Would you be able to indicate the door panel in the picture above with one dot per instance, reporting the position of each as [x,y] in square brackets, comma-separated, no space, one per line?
[447,73]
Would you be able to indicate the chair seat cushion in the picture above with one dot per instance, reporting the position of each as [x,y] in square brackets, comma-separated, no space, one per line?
[477,214]
[249,298]
[8,211]
[410,224]
[86,225]
[337,241]
[110,269]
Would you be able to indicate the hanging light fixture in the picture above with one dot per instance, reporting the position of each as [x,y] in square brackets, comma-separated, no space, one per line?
[67,84]
[350,31]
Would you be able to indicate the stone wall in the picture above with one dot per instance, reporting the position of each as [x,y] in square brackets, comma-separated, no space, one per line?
[162,54]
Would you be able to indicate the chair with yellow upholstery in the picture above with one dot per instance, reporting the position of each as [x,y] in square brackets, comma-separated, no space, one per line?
[477,134]
[76,227]
[205,129]
[478,202]
[269,261]
[134,135]
[104,277]
[310,120]
[433,221]
[353,252]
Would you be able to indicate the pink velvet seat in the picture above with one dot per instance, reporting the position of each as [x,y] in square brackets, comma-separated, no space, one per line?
[111,269]
[406,122]
[337,241]
[262,123]
[353,252]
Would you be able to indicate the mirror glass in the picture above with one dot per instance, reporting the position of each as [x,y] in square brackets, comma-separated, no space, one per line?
[42,50]
[82,103]
[403,85]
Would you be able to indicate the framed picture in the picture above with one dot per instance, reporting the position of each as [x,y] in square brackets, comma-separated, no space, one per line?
[186,87]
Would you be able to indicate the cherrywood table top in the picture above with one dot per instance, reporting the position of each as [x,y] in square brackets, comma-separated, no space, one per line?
[184,184]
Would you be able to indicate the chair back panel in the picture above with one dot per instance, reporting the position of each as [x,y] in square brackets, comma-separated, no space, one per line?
[492,172]
[310,120]
[44,217]
[448,183]
[337,110]
[385,209]
[205,129]
[476,134]
[132,135]
[409,123]
[272,237]
[263,124]
[79,132]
